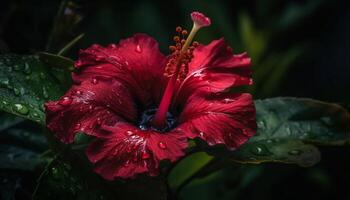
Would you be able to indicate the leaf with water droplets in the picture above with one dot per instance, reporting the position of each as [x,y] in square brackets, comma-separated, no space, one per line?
[289,129]
[24,89]
[60,67]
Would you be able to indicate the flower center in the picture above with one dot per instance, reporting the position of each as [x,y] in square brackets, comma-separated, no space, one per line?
[177,67]
[147,117]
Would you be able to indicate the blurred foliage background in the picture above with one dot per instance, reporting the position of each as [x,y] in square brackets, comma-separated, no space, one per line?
[299,48]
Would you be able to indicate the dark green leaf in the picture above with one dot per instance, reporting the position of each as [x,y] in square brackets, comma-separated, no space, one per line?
[60,67]
[14,157]
[76,180]
[20,145]
[302,119]
[187,168]
[288,128]
[25,84]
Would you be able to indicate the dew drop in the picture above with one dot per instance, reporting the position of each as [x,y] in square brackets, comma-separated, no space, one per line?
[21,109]
[126,163]
[94,81]
[112,46]
[27,69]
[16,91]
[138,49]
[145,155]
[228,100]
[295,152]
[4,81]
[45,93]
[99,121]
[16,67]
[77,126]
[162,145]
[42,75]
[202,134]
[65,101]
[129,133]
[78,92]
[260,150]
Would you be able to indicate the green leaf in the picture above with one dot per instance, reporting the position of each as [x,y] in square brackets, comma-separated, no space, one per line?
[60,67]
[287,128]
[187,168]
[25,84]
[63,179]
[20,144]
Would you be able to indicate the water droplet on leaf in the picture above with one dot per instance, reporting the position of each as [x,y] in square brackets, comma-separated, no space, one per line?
[21,109]
[45,92]
[260,150]
[27,69]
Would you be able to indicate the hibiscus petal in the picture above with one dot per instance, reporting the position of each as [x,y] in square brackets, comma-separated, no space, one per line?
[213,69]
[129,151]
[87,106]
[135,62]
[219,119]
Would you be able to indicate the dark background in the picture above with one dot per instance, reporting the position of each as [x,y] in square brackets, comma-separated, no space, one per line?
[298,48]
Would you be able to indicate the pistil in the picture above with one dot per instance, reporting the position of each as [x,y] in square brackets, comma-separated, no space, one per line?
[177,66]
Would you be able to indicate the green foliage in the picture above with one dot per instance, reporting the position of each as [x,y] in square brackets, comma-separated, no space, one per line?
[20,147]
[287,128]
[25,84]
[69,176]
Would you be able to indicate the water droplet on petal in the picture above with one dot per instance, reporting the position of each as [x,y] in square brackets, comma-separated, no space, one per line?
[228,100]
[78,92]
[112,46]
[145,155]
[202,134]
[65,101]
[126,163]
[162,145]
[129,133]
[94,81]
[138,49]
[21,109]
[77,126]
[99,121]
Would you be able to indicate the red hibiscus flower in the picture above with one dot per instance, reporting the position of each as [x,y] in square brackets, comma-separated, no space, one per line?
[142,107]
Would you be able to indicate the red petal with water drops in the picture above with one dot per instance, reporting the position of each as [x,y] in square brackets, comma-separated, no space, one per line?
[219,119]
[215,68]
[87,106]
[135,62]
[129,151]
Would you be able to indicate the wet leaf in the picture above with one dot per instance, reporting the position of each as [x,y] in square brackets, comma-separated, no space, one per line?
[289,129]
[25,84]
